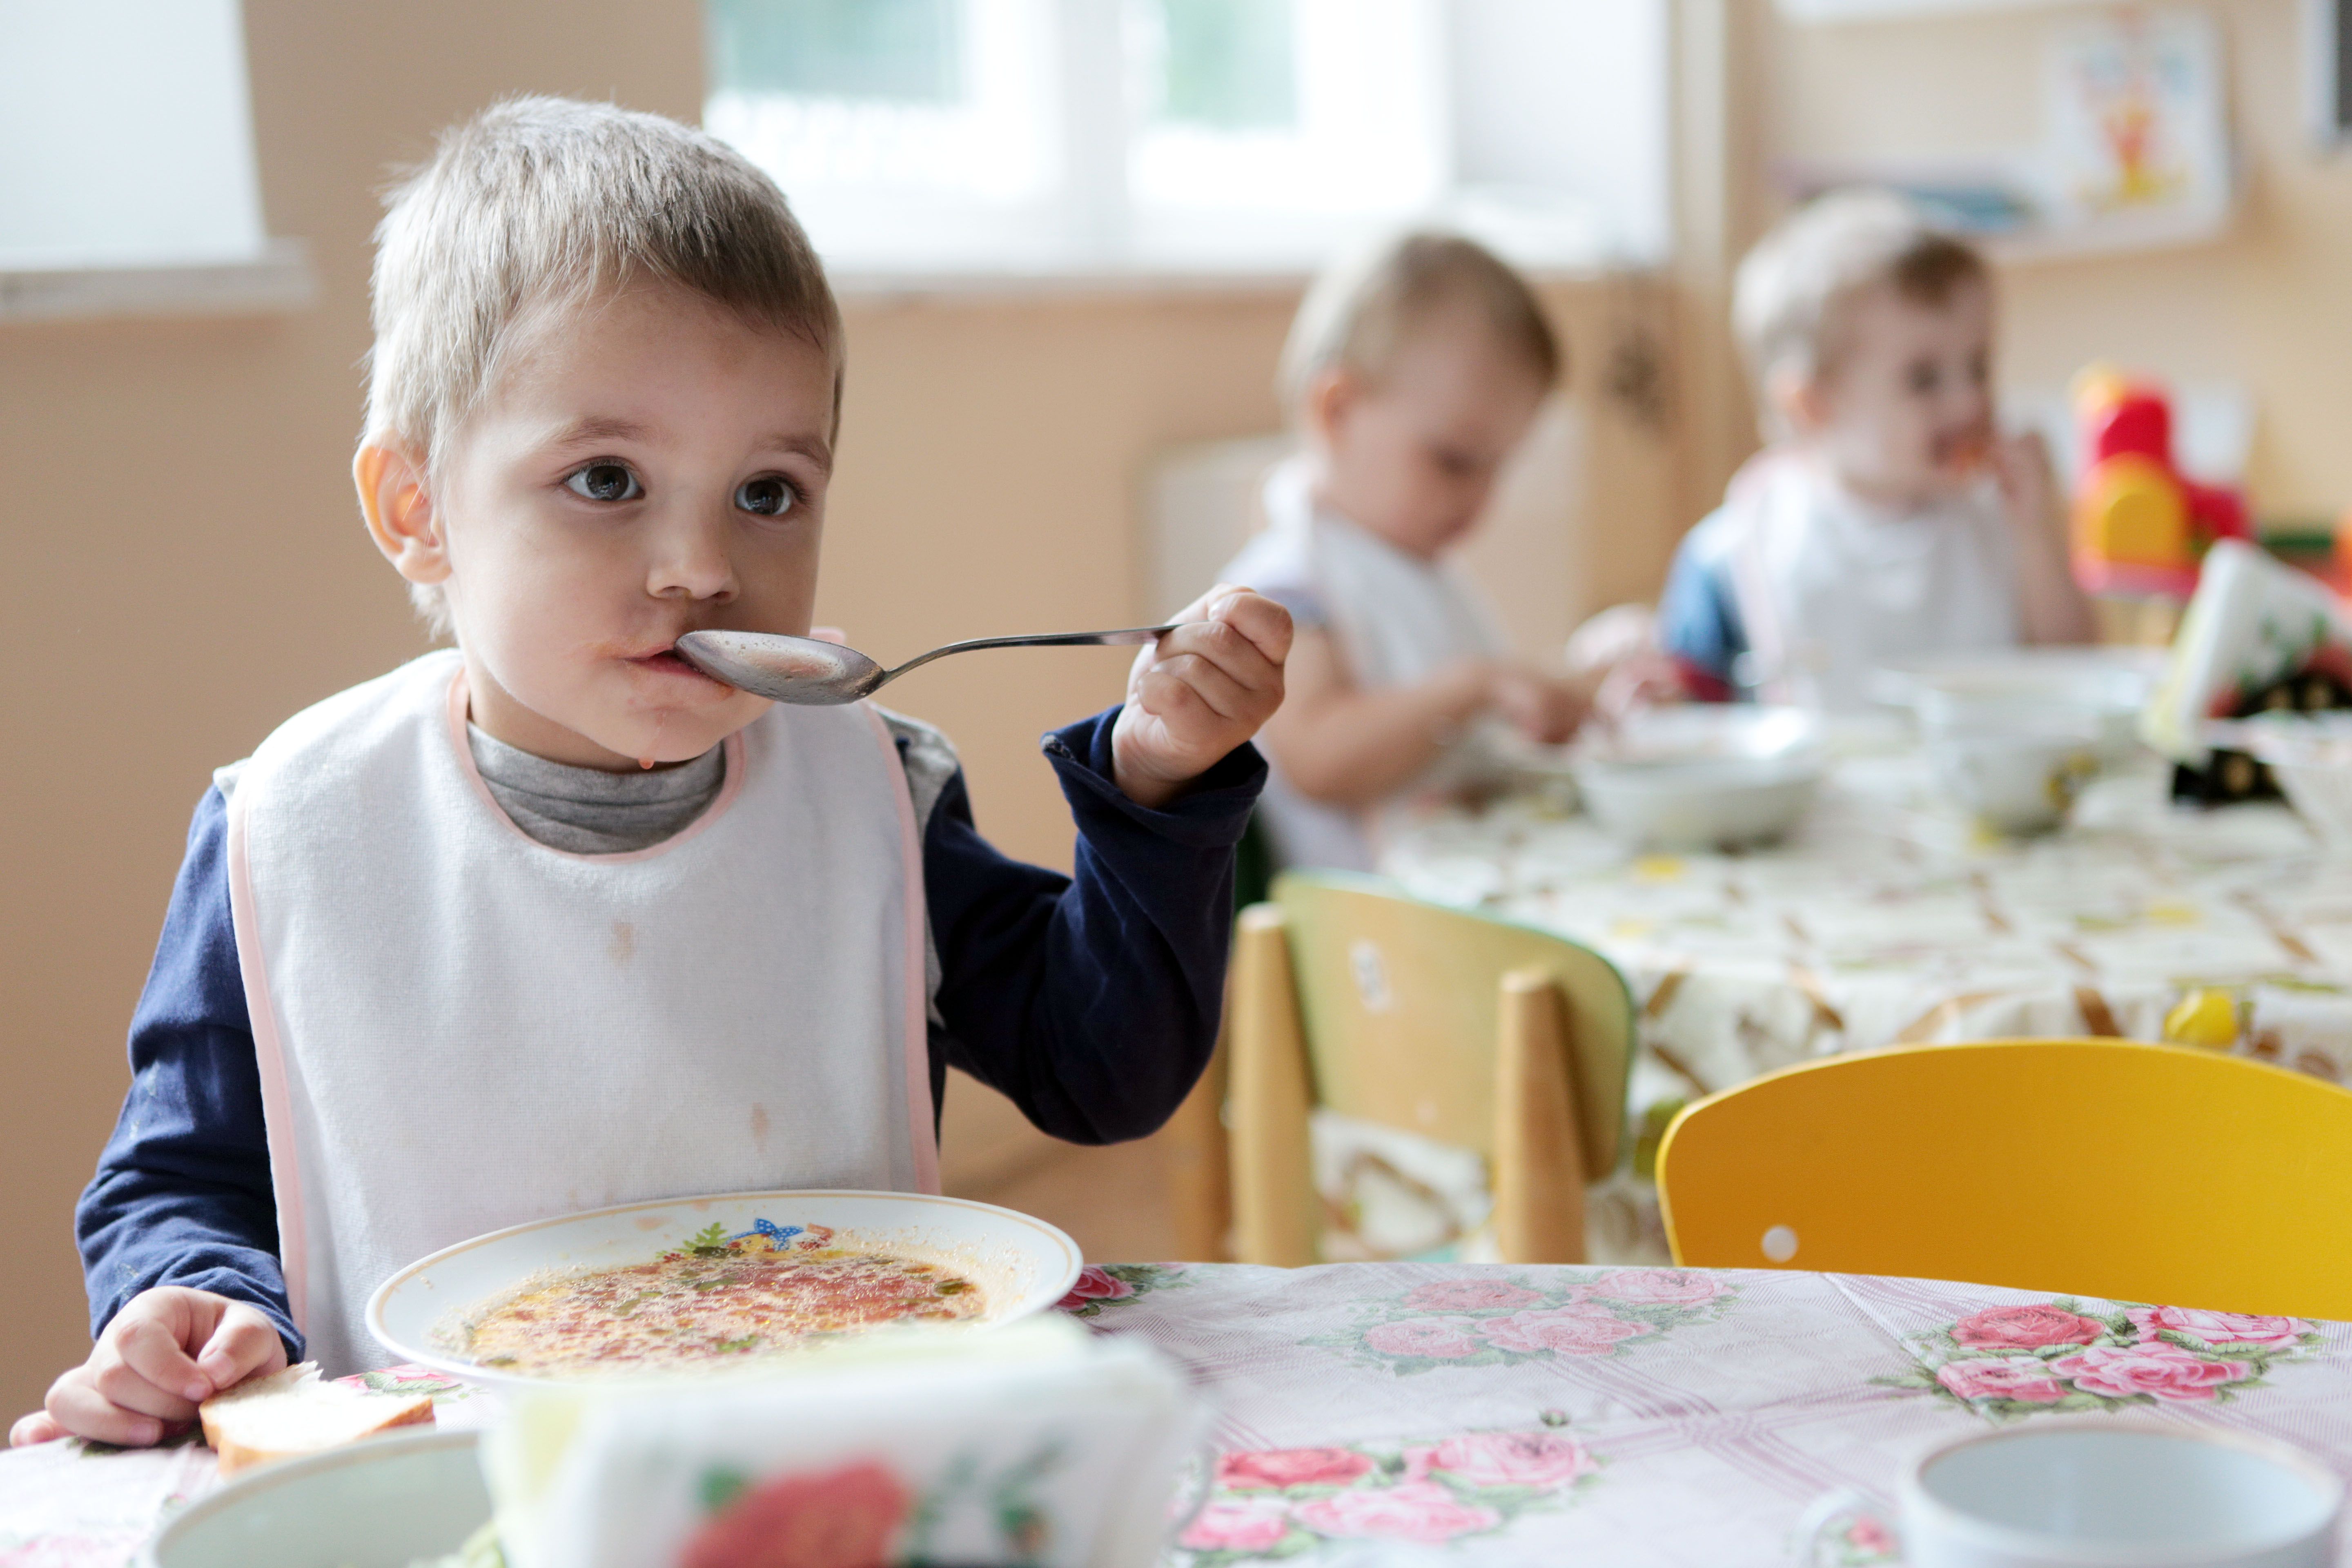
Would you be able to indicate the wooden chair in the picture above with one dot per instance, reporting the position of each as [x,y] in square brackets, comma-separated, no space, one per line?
[1493,1037]
[2137,1172]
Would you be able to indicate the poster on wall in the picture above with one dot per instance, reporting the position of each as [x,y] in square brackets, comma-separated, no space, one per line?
[2134,151]
[2138,143]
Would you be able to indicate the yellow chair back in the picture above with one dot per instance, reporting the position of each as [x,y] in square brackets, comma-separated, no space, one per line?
[1400,1003]
[2138,1173]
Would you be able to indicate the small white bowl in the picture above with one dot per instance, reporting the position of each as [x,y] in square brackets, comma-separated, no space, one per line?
[1701,776]
[386,1502]
[1022,1264]
[2017,765]
[2111,684]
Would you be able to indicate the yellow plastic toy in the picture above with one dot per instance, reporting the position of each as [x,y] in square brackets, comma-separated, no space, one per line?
[1488,1036]
[2206,1017]
[2141,527]
[2137,1173]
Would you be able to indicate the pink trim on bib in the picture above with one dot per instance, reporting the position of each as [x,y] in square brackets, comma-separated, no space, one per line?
[270,1058]
[727,790]
[923,1139]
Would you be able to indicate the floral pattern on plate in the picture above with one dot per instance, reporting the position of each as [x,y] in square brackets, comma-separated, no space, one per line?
[2010,1362]
[1280,1502]
[1498,1320]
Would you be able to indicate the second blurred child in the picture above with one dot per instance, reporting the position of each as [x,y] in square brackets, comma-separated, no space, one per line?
[1887,519]
[1412,374]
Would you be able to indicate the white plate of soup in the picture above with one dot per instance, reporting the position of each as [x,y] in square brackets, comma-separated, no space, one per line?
[709,1284]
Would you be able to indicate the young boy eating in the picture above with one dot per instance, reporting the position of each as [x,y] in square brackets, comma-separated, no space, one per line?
[1887,519]
[1413,374]
[549,921]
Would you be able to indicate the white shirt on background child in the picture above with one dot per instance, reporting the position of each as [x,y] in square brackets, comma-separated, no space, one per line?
[1823,588]
[1394,618]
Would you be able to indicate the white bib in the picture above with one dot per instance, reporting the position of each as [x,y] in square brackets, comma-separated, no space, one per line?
[1828,592]
[1395,620]
[460,1029]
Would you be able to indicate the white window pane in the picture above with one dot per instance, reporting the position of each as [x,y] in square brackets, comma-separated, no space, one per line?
[903,51]
[1225,65]
[125,135]
[1561,122]
[911,161]
[1366,145]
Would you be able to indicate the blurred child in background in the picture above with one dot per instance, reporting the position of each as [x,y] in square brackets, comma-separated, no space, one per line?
[1887,518]
[1412,373]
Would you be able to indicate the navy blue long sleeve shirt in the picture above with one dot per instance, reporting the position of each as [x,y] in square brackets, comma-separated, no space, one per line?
[1090,1001]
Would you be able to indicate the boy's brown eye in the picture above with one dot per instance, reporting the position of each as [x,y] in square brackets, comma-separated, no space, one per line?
[604,482]
[767,495]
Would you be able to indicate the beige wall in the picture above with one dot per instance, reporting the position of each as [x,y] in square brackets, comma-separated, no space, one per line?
[190,569]
[2268,306]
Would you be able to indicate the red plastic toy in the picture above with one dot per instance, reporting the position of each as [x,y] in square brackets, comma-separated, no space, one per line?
[2141,526]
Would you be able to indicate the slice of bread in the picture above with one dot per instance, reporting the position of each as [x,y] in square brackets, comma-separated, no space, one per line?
[291,1413]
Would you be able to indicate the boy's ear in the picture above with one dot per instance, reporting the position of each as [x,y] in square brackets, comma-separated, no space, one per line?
[1799,399]
[1329,396]
[400,513]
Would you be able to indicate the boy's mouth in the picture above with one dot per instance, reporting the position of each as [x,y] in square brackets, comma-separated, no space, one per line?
[665,663]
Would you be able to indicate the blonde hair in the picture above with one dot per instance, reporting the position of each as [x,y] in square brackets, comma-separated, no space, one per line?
[547,201]
[1361,313]
[1789,303]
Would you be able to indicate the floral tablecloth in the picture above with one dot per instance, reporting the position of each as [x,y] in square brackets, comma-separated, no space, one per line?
[1497,1414]
[1888,919]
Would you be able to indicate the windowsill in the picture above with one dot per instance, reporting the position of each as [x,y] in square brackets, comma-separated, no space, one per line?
[278,281]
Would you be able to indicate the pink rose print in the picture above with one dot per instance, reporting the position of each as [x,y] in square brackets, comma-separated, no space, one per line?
[1469,1295]
[2218,1328]
[2025,1329]
[1277,1470]
[1866,1534]
[2006,1377]
[1237,1526]
[1544,1460]
[1094,1285]
[1580,1330]
[1446,1339]
[1657,1287]
[1417,1510]
[2164,1371]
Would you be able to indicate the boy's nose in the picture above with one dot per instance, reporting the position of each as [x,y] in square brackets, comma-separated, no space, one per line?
[691,561]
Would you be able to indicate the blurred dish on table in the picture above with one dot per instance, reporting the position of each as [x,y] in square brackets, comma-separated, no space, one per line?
[2310,755]
[712,1283]
[1703,775]
[384,1503]
[1981,691]
[2017,766]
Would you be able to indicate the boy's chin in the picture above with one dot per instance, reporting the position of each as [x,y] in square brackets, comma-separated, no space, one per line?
[660,739]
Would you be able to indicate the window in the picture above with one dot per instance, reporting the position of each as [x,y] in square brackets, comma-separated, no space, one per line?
[127,177]
[1101,136]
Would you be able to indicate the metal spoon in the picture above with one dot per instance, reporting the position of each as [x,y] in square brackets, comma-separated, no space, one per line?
[807,671]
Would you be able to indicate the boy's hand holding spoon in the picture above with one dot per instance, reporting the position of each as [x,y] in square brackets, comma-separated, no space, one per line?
[1198,692]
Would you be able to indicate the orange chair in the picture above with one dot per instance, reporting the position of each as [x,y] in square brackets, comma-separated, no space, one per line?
[2137,1172]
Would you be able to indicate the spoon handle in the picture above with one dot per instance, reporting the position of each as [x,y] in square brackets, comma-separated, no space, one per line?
[1127,637]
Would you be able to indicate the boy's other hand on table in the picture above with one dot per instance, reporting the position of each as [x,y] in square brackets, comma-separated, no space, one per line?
[1199,692]
[165,1353]
[1546,708]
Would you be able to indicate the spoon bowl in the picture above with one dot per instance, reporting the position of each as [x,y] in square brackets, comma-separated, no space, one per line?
[810,672]
[803,671]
